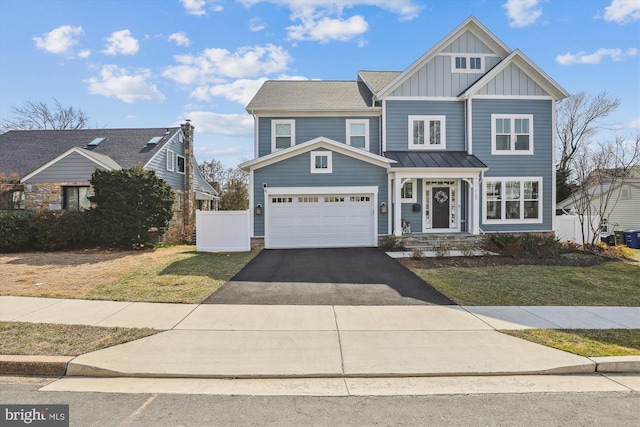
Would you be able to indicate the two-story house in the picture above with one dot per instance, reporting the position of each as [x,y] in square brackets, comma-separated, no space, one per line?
[461,141]
[54,168]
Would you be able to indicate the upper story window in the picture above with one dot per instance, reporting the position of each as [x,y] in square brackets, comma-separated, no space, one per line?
[283,134]
[358,133]
[513,200]
[76,198]
[427,132]
[511,134]
[170,160]
[467,64]
[321,162]
[180,163]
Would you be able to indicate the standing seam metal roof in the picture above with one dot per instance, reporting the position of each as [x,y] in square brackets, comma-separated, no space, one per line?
[434,159]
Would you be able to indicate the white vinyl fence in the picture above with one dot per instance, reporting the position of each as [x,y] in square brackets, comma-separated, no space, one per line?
[222,231]
[568,228]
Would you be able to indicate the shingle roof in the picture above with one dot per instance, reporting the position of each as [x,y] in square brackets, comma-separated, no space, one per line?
[378,79]
[434,159]
[311,95]
[26,150]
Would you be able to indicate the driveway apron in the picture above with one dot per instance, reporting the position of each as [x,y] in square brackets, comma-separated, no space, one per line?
[344,276]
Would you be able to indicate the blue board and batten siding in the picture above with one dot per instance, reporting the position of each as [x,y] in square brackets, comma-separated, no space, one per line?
[72,168]
[538,164]
[296,172]
[308,128]
[397,122]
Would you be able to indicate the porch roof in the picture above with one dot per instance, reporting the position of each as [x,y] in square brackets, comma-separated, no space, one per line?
[434,159]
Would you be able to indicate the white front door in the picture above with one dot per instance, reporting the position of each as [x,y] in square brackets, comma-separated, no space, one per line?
[441,206]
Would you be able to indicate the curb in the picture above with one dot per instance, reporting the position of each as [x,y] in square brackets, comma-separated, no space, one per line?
[57,366]
[47,366]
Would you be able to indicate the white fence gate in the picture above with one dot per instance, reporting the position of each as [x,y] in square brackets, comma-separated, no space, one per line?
[222,231]
[568,228]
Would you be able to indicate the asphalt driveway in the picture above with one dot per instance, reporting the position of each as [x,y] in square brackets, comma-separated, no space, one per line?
[345,276]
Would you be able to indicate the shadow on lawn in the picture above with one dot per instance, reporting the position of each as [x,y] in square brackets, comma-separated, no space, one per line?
[217,266]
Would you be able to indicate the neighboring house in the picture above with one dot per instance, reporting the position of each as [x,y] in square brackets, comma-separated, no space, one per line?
[462,141]
[54,168]
[617,199]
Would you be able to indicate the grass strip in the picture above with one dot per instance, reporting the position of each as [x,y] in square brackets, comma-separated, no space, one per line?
[47,339]
[607,284]
[189,277]
[585,342]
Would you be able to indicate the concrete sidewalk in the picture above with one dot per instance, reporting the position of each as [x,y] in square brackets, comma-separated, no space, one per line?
[254,341]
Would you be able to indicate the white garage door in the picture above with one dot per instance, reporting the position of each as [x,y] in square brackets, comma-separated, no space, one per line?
[320,220]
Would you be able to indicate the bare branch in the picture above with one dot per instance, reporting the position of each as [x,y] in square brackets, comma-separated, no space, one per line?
[39,116]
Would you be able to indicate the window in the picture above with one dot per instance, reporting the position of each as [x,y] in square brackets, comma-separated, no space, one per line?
[76,198]
[12,200]
[282,200]
[170,161]
[282,134]
[321,162]
[512,134]
[513,200]
[408,191]
[427,132]
[181,165]
[467,64]
[358,133]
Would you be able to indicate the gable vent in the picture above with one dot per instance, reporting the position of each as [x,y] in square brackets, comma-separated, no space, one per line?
[154,140]
[95,142]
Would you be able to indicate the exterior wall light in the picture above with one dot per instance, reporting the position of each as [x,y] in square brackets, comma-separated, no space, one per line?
[258,209]
[383,208]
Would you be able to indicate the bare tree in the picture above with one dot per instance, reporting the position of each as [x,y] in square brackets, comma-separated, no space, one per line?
[40,116]
[579,117]
[232,184]
[601,170]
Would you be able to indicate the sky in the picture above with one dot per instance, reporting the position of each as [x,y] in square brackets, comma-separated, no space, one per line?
[144,63]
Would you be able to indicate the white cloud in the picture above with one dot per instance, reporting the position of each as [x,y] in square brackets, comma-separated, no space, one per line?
[240,91]
[221,124]
[256,24]
[406,9]
[327,29]
[121,42]
[85,53]
[198,7]
[59,40]
[214,65]
[180,38]
[622,11]
[522,12]
[634,123]
[616,55]
[115,82]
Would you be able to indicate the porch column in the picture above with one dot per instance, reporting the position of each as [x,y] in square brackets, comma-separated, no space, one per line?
[476,206]
[397,207]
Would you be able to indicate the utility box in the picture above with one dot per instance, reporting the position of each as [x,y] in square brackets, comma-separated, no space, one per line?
[632,239]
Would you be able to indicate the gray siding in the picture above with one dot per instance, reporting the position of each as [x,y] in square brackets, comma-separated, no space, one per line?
[540,163]
[308,128]
[467,43]
[397,122]
[72,168]
[159,164]
[512,81]
[295,172]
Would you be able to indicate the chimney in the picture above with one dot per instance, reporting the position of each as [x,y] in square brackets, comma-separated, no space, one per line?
[189,199]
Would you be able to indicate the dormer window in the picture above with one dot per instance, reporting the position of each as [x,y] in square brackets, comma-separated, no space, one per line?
[467,64]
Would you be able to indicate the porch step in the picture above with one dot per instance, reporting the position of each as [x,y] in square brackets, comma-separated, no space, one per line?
[443,242]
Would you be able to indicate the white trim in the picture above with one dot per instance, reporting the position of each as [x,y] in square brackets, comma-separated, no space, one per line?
[383,126]
[252,201]
[467,69]
[414,190]
[427,119]
[62,156]
[518,97]
[178,156]
[365,122]
[553,160]
[484,55]
[437,173]
[361,112]
[320,142]
[456,188]
[511,151]
[469,126]
[256,135]
[503,200]
[422,98]
[292,133]
[171,160]
[324,153]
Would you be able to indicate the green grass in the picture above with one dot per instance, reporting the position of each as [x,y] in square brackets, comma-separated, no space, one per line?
[607,284]
[585,342]
[44,339]
[188,278]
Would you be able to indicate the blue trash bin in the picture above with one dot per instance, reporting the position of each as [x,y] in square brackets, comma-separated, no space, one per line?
[633,239]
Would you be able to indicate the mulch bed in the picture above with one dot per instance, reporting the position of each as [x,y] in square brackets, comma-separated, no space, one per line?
[575,259]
